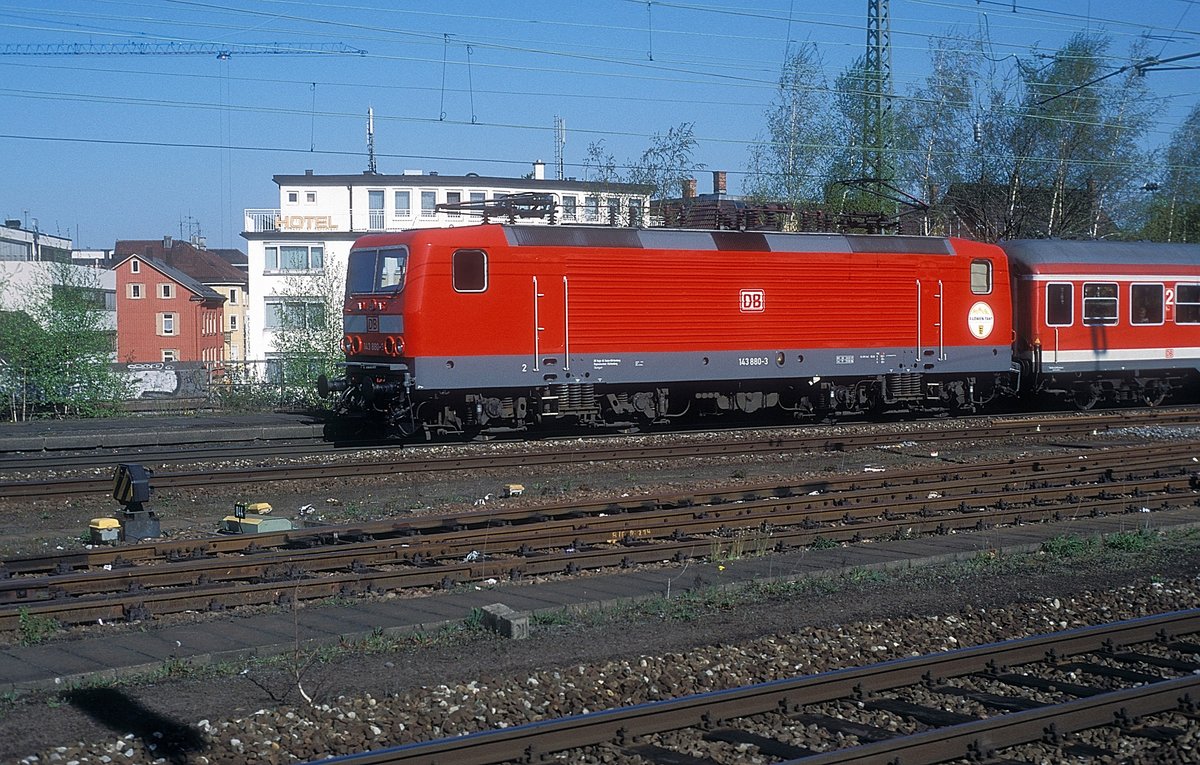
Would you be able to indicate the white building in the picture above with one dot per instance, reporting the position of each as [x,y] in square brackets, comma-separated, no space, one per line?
[308,237]
[31,260]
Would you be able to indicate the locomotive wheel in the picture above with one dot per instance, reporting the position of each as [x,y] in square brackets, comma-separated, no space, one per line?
[1086,397]
[1153,395]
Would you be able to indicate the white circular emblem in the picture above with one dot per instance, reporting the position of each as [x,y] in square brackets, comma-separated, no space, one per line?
[981,320]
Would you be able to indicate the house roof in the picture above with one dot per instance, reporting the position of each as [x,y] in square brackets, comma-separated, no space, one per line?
[202,291]
[462,181]
[204,266]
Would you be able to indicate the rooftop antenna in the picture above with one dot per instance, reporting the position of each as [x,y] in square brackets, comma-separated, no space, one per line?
[371,140]
[560,139]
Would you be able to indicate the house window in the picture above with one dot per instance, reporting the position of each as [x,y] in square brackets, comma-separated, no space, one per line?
[310,197]
[570,206]
[135,291]
[293,197]
[981,277]
[233,324]
[1099,303]
[166,290]
[403,204]
[593,209]
[293,257]
[166,324]
[135,266]
[1146,304]
[454,198]
[470,271]
[1187,303]
[478,196]
[1060,308]
[428,204]
[294,313]
[233,296]
[170,354]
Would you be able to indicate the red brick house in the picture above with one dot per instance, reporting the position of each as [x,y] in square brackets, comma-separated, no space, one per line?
[165,315]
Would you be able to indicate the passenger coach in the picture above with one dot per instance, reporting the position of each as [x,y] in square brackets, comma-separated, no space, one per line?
[1112,322]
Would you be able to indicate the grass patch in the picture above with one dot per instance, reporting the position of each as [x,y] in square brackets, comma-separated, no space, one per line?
[34,629]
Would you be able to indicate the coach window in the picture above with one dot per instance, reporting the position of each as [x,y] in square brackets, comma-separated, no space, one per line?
[470,271]
[1060,308]
[981,277]
[1099,303]
[1187,303]
[1146,304]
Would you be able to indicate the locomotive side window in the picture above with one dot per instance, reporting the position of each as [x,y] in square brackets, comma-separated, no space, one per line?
[1187,303]
[470,271]
[981,277]
[1060,307]
[1146,304]
[1099,303]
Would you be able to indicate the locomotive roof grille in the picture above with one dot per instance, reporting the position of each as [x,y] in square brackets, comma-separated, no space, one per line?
[748,241]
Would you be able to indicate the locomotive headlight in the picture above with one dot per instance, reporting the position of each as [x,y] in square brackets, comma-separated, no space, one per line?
[393,345]
[351,344]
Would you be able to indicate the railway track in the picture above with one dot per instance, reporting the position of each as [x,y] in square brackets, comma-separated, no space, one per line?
[442,551]
[407,462]
[1141,677]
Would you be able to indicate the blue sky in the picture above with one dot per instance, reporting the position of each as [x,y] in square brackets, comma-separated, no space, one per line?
[107,147]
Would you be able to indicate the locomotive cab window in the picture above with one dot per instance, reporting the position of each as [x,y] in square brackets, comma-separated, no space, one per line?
[373,270]
[1146,304]
[1060,307]
[981,277]
[1099,303]
[1187,303]
[470,271]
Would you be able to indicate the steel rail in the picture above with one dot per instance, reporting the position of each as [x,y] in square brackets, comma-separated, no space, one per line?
[1099,466]
[574,455]
[619,727]
[565,545]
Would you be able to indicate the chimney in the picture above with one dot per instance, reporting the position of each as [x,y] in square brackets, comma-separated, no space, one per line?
[539,170]
[718,181]
[308,172]
[167,242]
[689,188]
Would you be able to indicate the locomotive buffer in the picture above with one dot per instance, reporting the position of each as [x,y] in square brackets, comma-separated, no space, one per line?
[131,487]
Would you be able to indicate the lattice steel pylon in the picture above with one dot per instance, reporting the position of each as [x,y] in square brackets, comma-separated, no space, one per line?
[877,117]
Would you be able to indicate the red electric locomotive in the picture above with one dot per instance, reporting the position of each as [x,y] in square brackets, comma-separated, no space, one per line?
[1107,322]
[500,327]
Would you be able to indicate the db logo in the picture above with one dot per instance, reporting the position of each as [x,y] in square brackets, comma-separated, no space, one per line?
[372,323]
[753,301]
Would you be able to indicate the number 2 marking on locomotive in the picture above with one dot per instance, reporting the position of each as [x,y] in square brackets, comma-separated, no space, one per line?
[1170,297]
[524,367]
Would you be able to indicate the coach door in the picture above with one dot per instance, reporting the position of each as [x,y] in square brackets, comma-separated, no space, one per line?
[551,327]
[930,345]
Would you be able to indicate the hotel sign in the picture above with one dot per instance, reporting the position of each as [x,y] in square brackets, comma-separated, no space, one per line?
[305,223]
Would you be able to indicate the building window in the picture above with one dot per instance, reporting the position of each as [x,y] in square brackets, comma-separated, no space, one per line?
[593,209]
[470,271]
[1187,303]
[135,266]
[293,257]
[375,211]
[310,197]
[1099,303]
[1060,308]
[170,354]
[1146,304]
[570,206]
[135,291]
[454,198]
[403,204]
[428,204]
[233,324]
[166,290]
[233,296]
[294,313]
[166,324]
[293,197]
[981,277]
[477,196]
